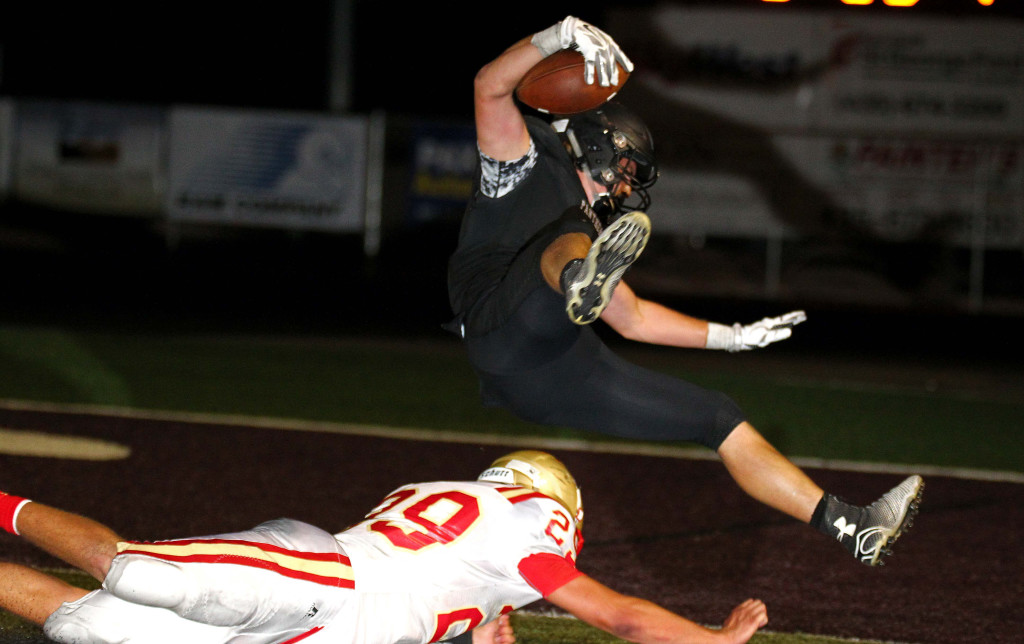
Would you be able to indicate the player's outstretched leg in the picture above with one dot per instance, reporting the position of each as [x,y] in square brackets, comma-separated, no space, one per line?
[869,532]
[588,283]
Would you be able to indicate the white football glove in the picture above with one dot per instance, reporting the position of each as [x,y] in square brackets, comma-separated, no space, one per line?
[739,337]
[599,51]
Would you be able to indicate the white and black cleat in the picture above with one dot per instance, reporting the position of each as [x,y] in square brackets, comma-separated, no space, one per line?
[589,283]
[885,520]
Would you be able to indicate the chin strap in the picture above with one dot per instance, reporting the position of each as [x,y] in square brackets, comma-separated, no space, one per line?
[605,207]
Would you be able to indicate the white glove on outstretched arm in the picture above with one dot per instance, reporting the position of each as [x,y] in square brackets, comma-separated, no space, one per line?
[599,51]
[739,337]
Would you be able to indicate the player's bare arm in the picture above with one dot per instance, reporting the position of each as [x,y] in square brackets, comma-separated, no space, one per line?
[642,320]
[80,541]
[500,129]
[33,595]
[638,620]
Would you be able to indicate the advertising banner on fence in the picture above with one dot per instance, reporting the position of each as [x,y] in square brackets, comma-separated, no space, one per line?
[779,123]
[89,157]
[441,182]
[268,169]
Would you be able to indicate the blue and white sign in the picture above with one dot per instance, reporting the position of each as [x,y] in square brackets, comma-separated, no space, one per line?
[300,171]
[441,182]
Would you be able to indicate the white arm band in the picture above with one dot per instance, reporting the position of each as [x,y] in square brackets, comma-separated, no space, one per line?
[17,511]
[720,336]
[548,41]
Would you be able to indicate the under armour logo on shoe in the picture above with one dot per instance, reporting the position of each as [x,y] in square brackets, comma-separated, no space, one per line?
[844,528]
[868,547]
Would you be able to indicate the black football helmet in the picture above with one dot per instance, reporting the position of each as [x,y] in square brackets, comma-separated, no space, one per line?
[603,141]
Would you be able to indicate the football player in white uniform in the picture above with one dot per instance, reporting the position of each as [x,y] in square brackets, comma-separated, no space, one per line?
[434,561]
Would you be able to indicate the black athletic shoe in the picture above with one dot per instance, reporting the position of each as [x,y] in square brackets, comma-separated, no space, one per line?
[869,533]
[588,283]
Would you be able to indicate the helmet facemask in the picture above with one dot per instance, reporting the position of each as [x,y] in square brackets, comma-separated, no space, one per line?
[630,170]
[614,148]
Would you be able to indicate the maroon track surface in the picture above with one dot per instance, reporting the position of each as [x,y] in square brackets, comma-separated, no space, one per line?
[677,532]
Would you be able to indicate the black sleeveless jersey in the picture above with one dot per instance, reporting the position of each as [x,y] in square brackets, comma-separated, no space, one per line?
[494,230]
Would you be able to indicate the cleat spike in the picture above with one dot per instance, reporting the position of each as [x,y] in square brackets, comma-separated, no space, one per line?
[588,283]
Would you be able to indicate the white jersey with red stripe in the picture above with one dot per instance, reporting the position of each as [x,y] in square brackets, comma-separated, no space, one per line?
[434,560]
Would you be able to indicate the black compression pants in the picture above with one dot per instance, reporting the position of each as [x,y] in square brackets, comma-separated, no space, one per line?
[545,369]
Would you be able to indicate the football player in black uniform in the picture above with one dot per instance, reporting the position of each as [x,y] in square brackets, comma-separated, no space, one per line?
[556,219]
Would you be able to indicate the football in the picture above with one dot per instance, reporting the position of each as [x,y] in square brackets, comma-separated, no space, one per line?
[557,85]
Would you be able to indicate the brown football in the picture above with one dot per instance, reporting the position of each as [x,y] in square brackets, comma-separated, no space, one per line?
[557,85]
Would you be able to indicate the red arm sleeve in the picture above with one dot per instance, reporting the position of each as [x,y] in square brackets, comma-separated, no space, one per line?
[547,572]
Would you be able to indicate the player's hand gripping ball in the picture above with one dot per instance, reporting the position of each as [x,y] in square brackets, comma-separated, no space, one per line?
[558,85]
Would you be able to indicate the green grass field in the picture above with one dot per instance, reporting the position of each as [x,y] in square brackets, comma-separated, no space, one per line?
[428,384]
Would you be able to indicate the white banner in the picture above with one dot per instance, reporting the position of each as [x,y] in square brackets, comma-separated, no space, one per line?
[781,123]
[85,157]
[963,192]
[902,190]
[301,171]
[833,70]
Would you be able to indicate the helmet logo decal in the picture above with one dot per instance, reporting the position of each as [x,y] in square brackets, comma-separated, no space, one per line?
[528,470]
[498,475]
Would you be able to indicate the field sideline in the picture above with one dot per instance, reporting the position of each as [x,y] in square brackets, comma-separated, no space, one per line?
[834,415]
[533,627]
[48,445]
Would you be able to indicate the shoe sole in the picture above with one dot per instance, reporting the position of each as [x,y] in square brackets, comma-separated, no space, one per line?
[910,507]
[610,256]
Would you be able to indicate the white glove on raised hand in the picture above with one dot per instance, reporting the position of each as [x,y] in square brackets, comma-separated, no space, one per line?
[600,52]
[739,337]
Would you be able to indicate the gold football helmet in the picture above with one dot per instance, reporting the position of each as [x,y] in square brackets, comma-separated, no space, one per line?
[540,471]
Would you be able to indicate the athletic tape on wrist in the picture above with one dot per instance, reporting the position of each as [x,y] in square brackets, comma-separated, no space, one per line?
[548,41]
[720,336]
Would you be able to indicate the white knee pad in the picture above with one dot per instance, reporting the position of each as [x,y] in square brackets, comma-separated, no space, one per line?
[220,595]
[65,627]
[142,580]
[101,618]
[93,619]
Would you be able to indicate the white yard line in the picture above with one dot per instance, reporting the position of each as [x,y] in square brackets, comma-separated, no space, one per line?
[540,442]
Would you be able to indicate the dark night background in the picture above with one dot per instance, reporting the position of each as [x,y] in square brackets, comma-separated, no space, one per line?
[404,59]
